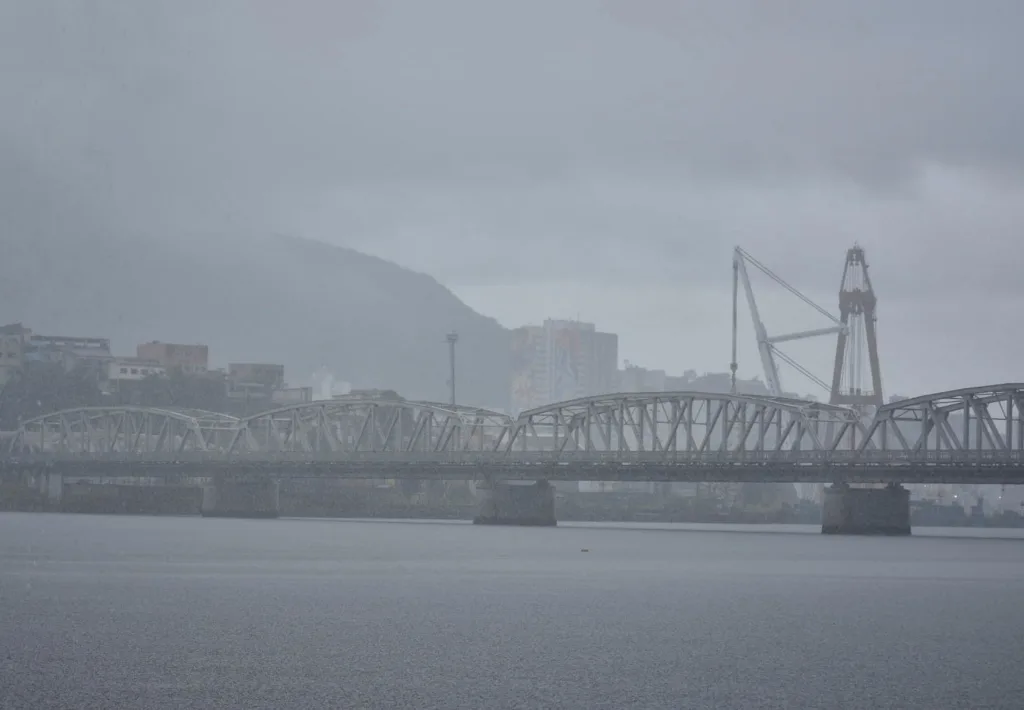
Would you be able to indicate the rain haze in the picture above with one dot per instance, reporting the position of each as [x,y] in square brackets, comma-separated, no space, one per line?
[248,248]
[590,159]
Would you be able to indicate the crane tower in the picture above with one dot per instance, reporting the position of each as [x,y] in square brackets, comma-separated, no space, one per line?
[857,303]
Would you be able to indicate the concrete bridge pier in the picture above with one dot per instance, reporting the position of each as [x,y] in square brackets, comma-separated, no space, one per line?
[226,498]
[513,503]
[866,511]
[51,485]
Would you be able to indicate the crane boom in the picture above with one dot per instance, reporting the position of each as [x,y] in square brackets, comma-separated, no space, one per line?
[766,345]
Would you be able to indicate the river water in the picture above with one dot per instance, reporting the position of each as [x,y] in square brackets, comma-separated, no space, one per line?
[133,612]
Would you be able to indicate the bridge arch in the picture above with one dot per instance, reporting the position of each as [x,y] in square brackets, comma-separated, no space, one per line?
[672,425]
[122,430]
[355,426]
[989,418]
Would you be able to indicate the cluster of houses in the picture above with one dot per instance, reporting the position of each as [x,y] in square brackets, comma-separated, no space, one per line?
[20,347]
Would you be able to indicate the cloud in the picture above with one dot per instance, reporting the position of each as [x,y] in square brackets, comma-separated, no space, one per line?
[553,158]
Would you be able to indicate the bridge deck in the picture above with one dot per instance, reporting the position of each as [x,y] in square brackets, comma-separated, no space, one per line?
[977,472]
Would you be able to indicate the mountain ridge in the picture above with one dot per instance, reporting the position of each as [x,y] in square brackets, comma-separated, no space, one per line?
[270,298]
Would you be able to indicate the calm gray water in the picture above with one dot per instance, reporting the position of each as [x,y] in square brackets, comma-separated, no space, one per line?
[123,612]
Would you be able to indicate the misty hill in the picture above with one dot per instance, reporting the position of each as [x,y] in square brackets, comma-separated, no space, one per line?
[265,299]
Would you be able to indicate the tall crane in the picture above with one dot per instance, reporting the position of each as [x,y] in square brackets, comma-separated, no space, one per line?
[857,302]
[855,329]
[767,344]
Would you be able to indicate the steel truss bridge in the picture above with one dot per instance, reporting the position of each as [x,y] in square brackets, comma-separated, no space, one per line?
[973,435]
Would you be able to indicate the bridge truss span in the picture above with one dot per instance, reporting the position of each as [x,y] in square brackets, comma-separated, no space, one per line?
[983,421]
[679,426]
[971,435]
[370,426]
[123,430]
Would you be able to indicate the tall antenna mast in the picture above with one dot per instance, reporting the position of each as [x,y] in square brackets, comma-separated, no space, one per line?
[766,345]
[735,307]
[857,302]
[452,339]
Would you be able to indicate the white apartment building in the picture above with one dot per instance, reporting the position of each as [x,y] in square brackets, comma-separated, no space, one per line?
[128,369]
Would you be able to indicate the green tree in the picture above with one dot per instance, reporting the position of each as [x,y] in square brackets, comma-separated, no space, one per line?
[42,388]
[176,390]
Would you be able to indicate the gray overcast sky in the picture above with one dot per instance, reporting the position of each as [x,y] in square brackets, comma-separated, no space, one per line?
[558,158]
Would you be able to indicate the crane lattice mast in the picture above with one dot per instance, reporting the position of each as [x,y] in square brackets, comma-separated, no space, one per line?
[857,304]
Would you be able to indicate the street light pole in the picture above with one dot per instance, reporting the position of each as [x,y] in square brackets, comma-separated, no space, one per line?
[453,338]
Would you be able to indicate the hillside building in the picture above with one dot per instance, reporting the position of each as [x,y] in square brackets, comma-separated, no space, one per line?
[561,360]
[133,369]
[190,359]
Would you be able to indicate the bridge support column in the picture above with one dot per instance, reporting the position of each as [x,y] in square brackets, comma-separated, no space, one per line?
[866,511]
[52,485]
[505,503]
[241,499]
